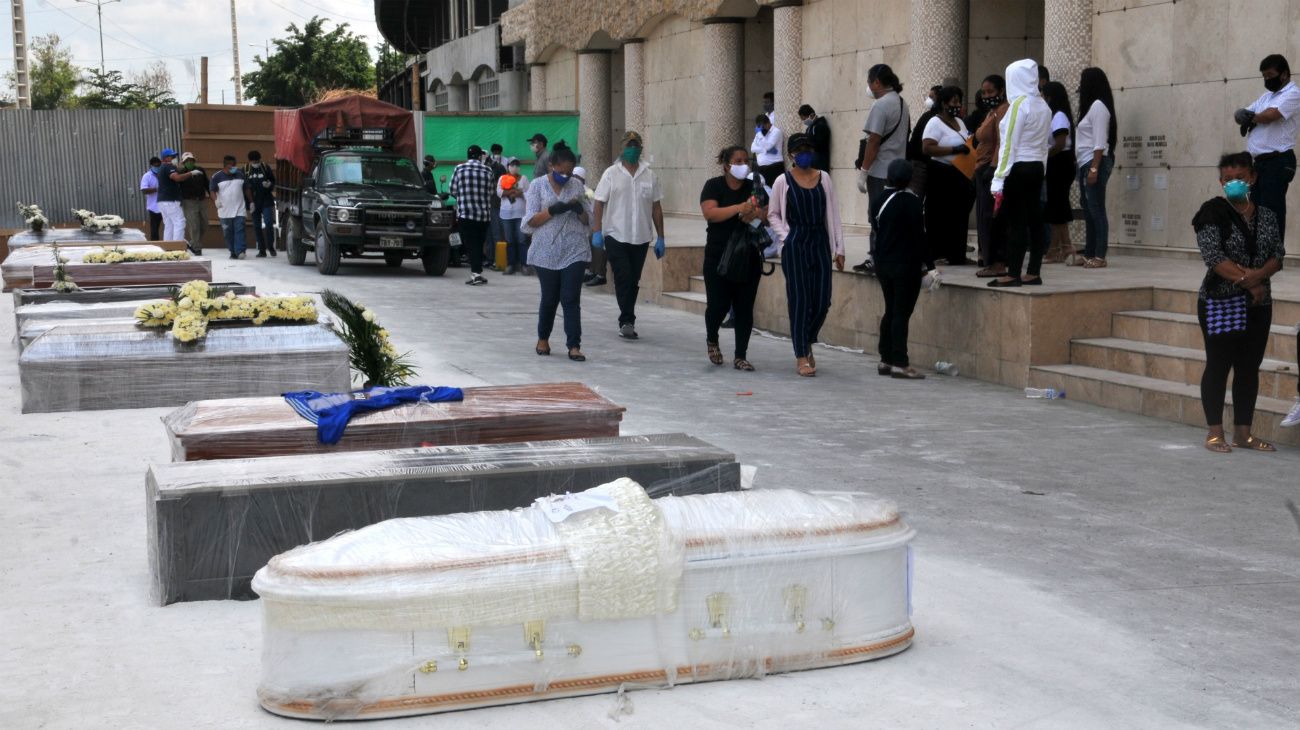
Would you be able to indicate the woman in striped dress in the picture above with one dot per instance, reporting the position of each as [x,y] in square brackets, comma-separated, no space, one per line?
[805,217]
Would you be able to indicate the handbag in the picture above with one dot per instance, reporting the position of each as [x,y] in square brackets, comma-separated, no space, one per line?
[742,259]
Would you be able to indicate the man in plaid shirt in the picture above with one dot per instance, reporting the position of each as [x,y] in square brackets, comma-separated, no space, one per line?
[472,185]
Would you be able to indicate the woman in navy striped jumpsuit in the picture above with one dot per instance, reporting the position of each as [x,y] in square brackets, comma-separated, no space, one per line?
[805,216]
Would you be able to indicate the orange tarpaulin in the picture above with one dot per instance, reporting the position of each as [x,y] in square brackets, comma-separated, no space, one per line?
[295,129]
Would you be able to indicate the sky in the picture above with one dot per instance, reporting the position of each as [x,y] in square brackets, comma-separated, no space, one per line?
[138,32]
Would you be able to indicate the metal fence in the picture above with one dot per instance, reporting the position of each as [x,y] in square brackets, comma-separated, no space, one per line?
[62,159]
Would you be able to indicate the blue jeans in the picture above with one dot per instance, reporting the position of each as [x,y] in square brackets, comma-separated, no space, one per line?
[233,230]
[561,287]
[1093,200]
[514,238]
[264,229]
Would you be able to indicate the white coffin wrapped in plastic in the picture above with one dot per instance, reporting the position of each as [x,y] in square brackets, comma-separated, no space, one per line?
[581,594]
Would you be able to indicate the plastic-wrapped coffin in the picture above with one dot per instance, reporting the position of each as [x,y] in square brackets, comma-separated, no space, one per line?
[23,239]
[434,614]
[18,268]
[246,427]
[97,295]
[212,524]
[83,367]
[142,272]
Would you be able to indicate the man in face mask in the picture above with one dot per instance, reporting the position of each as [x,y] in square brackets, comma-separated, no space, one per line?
[260,182]
[766,148]
[1270,128]
[769,106]
[627,213]
[495,231]
[232,203]
[194,200]
[426,174]
[543,164]
[819,131]
[149,189]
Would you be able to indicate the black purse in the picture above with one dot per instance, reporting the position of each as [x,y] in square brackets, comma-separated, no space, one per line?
[742,259]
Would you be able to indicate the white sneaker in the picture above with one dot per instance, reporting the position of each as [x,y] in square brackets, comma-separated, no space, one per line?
[476,280]
[1293,418]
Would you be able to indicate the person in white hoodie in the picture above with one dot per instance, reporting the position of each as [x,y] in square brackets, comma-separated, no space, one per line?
[1025,132]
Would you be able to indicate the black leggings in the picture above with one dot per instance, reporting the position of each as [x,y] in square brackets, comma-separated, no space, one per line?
[1242,355]
[900,301]
[1022,214]
[724,295]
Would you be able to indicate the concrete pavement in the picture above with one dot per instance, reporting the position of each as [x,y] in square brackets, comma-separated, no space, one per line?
[1076,567]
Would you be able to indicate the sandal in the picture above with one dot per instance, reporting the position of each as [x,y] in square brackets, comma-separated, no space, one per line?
[884,368]
[907,373]
[804,368]
[1254,444]
[988,272]
[812,360]
[743,364]
[576,355]
[1095,264]
[543,347]
[1217,444]
[715,353]
[1080,260]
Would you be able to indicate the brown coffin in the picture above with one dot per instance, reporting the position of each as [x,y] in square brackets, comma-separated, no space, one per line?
[123,274]
[18,267]
[248,427]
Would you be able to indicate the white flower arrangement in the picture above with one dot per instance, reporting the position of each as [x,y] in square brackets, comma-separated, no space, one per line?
[192,308]
[123,256]
[33,216]
[62,282]
[94,223]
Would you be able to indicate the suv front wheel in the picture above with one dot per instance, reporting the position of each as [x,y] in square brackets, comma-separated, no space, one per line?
[294,250]
[435,259]
[328,254]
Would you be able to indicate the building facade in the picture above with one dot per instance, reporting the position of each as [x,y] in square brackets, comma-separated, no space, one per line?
[690,75]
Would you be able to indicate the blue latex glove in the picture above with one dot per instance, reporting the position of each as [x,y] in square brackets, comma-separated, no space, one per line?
[659,247]
[598,239]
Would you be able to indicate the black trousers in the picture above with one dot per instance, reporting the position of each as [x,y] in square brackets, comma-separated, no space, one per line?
[900,293]
[947,211]
[724,295]
[155,226]
[771,172]
[1022,218]
[472,236]
[875,196]
[1242,355]
[1273,175]
[627,260]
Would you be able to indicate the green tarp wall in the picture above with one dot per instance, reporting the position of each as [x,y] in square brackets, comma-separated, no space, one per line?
[448,135]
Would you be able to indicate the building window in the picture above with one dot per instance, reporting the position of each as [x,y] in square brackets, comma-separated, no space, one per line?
[488,94]
[440,101]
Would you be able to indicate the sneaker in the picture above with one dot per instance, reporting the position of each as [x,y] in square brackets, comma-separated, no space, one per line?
[627,332]
[867,267]
[1293,418]
[596,280]
[233,257]
[243,254]
[587,277]
[490,266]
[476,280]
[272,253]
[261,254]
[510,271]
[729,324]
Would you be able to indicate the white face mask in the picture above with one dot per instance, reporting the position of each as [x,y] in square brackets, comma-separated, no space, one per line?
[740,172]
[929,103]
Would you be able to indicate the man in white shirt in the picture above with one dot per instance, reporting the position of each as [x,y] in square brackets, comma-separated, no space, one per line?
[627,212]
[232,198]
[768,142]
[1270,128]
[769,106]
[884,140]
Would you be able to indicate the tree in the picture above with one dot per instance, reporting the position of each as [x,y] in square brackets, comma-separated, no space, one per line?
[308,61]
[52,74]
[108,90]
[389,65]
[155,80]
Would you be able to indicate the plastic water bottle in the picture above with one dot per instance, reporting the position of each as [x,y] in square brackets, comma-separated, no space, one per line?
[1044,393]
[943,367]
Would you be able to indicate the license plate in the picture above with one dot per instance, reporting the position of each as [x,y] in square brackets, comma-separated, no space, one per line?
[391,242]
[455,239]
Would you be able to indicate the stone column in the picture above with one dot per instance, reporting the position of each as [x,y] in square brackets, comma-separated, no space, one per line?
[787,63]
[634,85]
[537,87]
[724,83]
[593,106]
[1067,41]
[940,40]
[458,97]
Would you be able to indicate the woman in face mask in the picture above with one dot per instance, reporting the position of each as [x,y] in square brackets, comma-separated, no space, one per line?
[511,188]
[729,204]
[805,219]
[949,193]
[992,107]
[558,216]
[1242,247]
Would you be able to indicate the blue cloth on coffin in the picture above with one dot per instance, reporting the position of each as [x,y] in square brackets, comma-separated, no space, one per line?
[332,411]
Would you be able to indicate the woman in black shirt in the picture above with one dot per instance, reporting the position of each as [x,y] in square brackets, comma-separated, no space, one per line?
[1242,248]
[728,203]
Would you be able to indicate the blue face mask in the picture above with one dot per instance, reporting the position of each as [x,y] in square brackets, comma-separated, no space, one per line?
[803,160]
[232,169]
[155,170]
[559,178]
[1237,191]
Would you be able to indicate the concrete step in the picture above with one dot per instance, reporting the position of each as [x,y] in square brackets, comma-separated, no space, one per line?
[1285,311]
[1182,330]
[697,284]
[686,301]
[1277,379]
[1178,402]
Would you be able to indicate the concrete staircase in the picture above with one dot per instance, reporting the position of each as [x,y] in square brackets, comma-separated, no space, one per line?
[692,300]
[1153,360]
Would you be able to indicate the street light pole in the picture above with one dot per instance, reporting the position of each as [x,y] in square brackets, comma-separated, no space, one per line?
[99,11]
[234,44]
